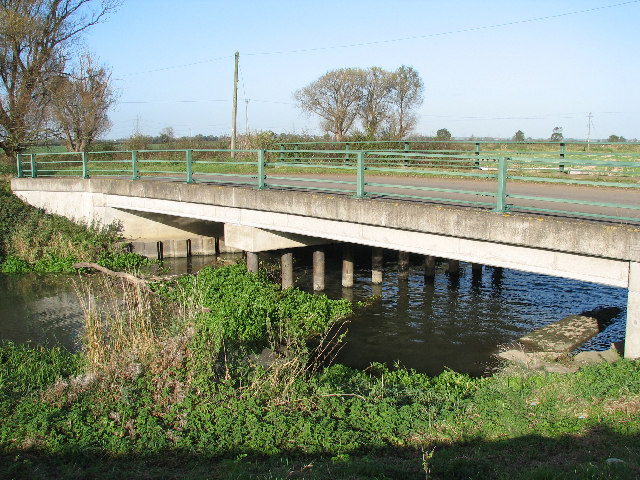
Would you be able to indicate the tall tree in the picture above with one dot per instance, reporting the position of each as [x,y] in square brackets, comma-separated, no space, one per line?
[406,94]
[336,97]
[34,38]
[374,106]
[81,102]
[557,135]
[518,136]
[443,134]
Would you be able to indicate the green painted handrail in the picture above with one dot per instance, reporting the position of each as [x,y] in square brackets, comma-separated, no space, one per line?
[273,168]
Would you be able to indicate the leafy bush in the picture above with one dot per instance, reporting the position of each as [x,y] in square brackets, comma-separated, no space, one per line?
[122,261]
[14,264]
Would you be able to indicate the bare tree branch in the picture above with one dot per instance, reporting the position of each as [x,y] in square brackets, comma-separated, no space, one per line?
[34,35]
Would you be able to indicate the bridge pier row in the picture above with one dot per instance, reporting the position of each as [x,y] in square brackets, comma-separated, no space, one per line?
[403,265]
[318,270]
[376,265]
[632,334]
[347,266]
[286,262]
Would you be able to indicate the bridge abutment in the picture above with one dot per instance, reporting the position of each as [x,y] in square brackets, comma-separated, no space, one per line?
[632,336]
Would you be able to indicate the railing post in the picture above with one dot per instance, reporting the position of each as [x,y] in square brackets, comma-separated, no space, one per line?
[501,200]
[297,154]
[406,150]
[134,165]
[261,156]
[282,152]
[85,167]
[561,167]
[19,160]
[34,173]
[346,155]
[360,193]
[189,154]
[478,155]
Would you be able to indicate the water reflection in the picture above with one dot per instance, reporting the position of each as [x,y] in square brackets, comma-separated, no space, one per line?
[449,320]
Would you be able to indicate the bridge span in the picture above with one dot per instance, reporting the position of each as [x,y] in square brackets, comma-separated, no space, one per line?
[257,220]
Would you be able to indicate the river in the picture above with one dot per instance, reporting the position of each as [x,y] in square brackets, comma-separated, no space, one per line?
[455,322]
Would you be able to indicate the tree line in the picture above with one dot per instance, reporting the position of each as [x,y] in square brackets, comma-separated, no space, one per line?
[44,92]
[383,102]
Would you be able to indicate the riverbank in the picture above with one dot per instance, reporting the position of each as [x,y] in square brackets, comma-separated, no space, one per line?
[224,386]
[33,241]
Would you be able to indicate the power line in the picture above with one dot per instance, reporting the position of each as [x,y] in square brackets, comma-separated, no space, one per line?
[173,67]
[450,32]
[394,40]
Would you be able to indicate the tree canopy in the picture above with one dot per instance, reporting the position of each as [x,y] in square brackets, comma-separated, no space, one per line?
[384,102]
[35,38]
[80,104]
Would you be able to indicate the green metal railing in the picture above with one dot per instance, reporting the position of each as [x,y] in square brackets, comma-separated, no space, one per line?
[404,173]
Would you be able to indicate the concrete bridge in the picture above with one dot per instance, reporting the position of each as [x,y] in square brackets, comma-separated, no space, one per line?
[257,220]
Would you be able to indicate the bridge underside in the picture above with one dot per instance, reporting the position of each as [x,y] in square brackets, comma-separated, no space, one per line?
[257,220]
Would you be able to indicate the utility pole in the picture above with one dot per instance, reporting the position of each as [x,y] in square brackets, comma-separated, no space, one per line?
[235,108]
[246,117]
[589,130]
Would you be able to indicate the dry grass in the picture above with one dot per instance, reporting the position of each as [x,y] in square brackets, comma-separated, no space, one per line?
[124,327]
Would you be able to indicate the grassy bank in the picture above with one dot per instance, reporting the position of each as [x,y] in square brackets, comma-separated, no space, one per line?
[32,240]
[212,377]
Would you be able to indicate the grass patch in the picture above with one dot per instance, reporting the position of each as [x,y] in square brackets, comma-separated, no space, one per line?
[214,376]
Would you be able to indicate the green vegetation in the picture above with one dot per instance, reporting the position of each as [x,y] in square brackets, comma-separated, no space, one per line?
[32,240]
[224,375]
[178,384]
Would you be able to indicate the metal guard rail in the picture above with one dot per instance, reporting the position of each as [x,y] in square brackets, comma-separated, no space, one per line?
[359,172]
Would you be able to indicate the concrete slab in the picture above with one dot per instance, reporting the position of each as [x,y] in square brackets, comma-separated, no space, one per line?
[562,336]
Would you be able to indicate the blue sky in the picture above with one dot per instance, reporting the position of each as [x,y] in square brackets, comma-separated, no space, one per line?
[489,67]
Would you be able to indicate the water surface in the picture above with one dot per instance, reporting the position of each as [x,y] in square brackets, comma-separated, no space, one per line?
[455,322]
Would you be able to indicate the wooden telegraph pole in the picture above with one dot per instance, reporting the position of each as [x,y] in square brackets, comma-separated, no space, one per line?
[235,108]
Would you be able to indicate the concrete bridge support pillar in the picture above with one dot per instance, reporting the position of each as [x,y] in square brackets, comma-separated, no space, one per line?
[287,270]
[403,265]
[454,267]
[632,335]
[318,270]
[252,262]
[376,265]
[347,266]
[429,266]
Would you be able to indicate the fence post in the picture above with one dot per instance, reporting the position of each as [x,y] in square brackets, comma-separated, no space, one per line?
[406,150]
[20,173]
[360,193]
[34,173]
[134,165]
[85,167]
[561,167]
[346,156]
[261,156]
[297,154]
[478,155]
[282,152]
[189,166]
[501,200]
